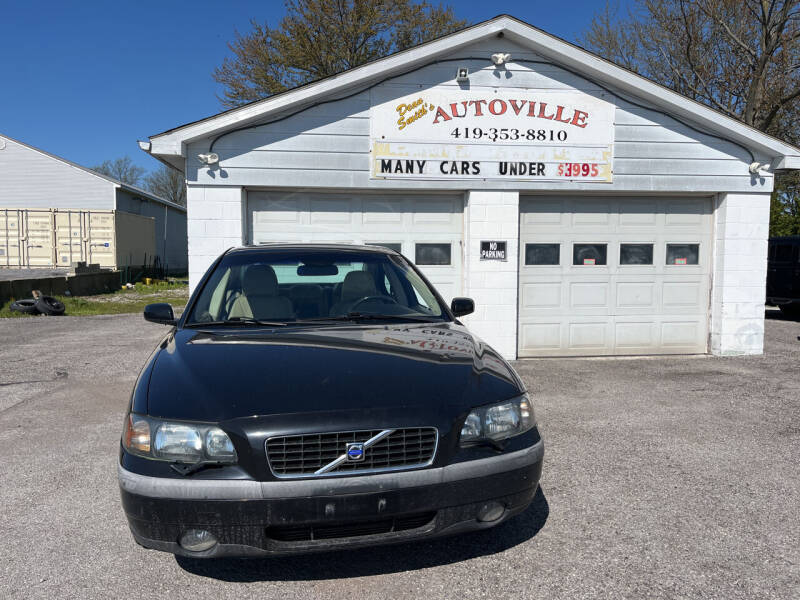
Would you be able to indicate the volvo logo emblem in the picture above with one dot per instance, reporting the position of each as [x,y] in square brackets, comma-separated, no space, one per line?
[355,452]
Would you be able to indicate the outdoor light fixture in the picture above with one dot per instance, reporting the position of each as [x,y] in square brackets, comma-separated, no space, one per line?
[462,74]
[500,58]
[209,159]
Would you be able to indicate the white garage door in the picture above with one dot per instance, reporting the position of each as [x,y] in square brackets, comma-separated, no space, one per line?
[427,229]
[603,276]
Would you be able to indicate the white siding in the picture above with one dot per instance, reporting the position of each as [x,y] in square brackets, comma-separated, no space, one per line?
[31,179]
[328,145]
[170,228]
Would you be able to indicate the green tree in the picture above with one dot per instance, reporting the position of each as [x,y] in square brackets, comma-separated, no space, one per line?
[785,207]
[167,183]
[741,57]
[318,38]
[121,169]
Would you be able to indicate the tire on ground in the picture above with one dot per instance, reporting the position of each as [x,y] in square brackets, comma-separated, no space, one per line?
[27,306]
[790,310]
[49,306]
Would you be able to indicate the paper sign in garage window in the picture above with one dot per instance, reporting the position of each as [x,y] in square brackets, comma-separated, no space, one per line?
[683,254]
[589,261]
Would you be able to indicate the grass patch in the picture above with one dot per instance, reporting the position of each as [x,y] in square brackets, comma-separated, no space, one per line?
[118,302]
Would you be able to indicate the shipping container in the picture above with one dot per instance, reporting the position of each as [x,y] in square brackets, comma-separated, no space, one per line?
[60,238]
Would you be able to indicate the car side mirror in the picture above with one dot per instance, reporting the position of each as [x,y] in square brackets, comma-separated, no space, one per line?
[159,313]
[462,306]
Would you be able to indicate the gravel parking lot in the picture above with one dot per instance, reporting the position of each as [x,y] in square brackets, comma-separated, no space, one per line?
[664,478]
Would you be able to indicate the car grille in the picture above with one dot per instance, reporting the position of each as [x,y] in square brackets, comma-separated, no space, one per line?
[305,533]
[305,455]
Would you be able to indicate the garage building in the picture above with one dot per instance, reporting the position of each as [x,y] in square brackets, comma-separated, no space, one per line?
[55,213]
[587,210]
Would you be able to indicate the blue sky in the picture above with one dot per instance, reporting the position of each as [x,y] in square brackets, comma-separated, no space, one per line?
[85,79]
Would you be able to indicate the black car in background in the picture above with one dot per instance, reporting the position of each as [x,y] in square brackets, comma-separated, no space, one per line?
[314,397]
[783,274]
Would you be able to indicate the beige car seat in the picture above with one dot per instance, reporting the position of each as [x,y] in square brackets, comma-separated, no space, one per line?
[259,298]
[356,285]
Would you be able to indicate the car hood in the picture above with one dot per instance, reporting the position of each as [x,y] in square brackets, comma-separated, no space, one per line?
[220,375]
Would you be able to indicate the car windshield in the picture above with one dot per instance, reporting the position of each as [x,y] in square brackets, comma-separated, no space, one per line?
[293,286]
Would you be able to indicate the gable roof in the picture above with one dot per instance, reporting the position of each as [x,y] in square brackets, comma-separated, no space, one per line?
[171,144]
[116,182]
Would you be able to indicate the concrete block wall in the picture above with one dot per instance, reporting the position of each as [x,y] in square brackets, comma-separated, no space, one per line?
[493,215]
[83,284]
[741,230]
[215,223]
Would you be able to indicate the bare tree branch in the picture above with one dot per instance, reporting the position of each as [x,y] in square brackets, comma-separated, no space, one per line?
[318,38]
[740,57]
[778,107]
[726,27]
[121,169]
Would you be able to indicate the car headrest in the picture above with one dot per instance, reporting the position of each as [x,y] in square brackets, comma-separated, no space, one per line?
[260,280]
[306,292]
[358,284]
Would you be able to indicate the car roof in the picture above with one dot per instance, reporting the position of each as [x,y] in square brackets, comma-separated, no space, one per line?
[283,246]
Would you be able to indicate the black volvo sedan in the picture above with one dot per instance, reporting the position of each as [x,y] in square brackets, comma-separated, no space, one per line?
[314,397]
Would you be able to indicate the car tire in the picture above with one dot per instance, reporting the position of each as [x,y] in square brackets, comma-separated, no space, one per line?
[790,310]
[49,306]
[27,306]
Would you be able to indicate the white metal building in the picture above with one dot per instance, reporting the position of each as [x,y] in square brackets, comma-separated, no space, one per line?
[587,210]
[54,212]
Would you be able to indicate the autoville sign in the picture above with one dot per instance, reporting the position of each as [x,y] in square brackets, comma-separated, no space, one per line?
[522,134]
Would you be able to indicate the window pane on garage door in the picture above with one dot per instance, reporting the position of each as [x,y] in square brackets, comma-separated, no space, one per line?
[395,221]
[683,254]
[632,300]
[589,254]
[636,254]
[542,254]
[432,254]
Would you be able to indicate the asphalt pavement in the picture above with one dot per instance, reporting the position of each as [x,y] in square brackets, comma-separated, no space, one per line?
[664,478]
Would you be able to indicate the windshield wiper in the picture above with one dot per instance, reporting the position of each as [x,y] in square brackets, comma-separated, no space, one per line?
[239,321]
[357,316]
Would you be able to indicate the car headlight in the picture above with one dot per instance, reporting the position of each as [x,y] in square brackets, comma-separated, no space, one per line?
[498,421]
[176,442]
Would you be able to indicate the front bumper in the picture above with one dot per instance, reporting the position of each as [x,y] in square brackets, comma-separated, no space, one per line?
[251,518]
